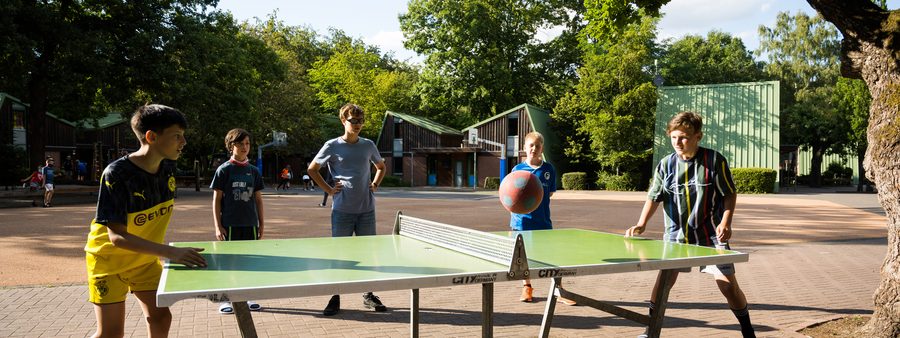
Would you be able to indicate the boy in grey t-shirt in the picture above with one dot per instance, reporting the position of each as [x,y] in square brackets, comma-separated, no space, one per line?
[350,159]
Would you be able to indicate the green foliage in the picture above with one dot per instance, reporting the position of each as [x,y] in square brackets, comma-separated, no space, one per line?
[718,58]
[492,183]
[851,100]
[358,74]
[483,57]
[624,182]
[16,165]
[393,181]
[803,54]
[754,180]
[609,19]
[606,123]
[574,181]
[837,174]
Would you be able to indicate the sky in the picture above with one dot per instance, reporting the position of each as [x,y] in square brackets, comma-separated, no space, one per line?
[376,23]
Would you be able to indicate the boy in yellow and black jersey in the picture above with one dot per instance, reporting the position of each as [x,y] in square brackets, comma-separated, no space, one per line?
[134,206]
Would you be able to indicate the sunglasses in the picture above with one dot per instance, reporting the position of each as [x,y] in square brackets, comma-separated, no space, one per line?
[355,120]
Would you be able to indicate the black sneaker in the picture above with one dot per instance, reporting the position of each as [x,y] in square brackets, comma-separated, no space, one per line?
[334,305]
[371,301]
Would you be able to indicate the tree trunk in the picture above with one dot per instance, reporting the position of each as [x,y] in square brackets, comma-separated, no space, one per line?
[815,167]
[882,166]
[871,50]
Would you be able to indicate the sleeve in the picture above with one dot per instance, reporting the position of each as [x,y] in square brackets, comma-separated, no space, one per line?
[112,201]
[219,180]
[324,154]
[656,192]
[724,180]
[376,156]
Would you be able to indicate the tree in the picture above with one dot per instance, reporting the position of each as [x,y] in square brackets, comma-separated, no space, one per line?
[483,57]
[77,58]
[718,58]
[803,55]
[289,104]
[611,110]
[359,74]
[851,100]
[870,51]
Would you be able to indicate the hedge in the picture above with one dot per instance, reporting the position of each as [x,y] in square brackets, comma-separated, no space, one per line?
[754,180]
[574,181]
[613,182]
[393,181]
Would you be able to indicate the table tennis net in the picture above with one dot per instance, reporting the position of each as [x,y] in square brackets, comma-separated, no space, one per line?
[487,246]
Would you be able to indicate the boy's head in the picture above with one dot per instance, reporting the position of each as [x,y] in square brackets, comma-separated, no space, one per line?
[238,142]
[155,118]
[352,117]
[685,131]
[160,127]
[50,161]
[534,145]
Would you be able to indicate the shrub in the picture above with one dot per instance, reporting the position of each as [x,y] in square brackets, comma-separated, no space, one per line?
[623,182]
[393,181]
[574,181]
[754,180]
[492,183]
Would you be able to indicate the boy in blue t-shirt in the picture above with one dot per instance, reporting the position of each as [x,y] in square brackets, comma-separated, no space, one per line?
[237,201]
[350,159]
[539,219]
[48,173]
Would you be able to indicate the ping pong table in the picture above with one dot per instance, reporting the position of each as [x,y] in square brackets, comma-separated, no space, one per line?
[411,259]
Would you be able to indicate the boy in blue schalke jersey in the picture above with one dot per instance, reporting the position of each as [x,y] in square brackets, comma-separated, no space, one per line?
[237,201]
[135,203]
[539,219]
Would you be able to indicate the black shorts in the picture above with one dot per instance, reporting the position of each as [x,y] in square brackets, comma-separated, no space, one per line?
[241,233]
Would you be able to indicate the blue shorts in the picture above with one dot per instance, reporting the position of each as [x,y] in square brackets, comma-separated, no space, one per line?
[346,224]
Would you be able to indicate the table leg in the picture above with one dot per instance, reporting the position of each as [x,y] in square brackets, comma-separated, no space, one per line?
[659,309]
[550,308]
[244,319]
[487,310]
[414,313]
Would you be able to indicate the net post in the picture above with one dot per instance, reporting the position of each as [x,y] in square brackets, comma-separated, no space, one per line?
[397,223]
[518,266]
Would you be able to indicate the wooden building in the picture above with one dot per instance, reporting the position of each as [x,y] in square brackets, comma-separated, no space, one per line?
[59,139]
[426,153]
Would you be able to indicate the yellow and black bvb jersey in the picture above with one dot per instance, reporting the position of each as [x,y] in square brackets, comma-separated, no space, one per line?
[140,200]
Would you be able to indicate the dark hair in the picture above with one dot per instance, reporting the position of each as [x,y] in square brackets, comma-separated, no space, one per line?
[686,120]
[236,135]
[155,117]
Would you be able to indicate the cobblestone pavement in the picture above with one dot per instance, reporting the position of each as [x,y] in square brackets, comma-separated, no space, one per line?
[814,256]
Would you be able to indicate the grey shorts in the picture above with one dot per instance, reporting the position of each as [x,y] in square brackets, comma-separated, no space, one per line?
[719,269]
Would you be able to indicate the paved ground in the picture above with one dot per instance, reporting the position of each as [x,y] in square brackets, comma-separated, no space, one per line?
[814,256]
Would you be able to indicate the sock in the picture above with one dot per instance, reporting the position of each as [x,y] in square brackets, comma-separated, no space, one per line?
[743,317]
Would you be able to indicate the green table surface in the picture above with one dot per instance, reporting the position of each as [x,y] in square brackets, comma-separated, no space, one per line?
[284,268]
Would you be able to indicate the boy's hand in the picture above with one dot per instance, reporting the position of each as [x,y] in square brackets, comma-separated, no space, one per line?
[190,257]
[635,230]
[220,233]
[337,187]
[723,232]
[373,186]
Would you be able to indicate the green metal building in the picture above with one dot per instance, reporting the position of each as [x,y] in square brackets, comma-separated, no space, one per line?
[740,120]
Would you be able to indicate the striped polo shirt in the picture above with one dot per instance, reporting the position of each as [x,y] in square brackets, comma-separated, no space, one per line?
[693,193]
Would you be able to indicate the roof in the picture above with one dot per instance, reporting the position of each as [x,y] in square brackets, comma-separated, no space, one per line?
[15,101]
[438,128]
[537,115]
[107,121]
[540,122]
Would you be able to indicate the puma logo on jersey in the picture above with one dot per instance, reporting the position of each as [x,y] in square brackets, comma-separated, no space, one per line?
[139,194]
